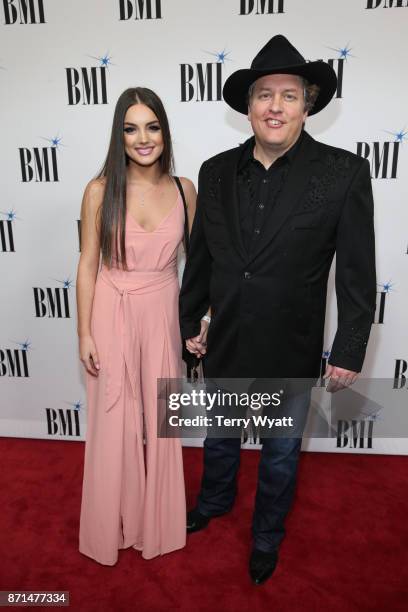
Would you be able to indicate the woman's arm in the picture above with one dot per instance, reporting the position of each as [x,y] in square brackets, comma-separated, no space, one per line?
[87,272]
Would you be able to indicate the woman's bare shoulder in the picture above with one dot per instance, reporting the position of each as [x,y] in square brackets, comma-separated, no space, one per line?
[96,187]
[186,182]
[94,192]
[188,186]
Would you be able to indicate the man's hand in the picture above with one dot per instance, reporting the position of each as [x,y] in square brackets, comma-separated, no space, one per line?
[339,378]
[198,344]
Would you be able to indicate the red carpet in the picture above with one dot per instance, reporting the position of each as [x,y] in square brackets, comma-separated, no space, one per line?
[345,549]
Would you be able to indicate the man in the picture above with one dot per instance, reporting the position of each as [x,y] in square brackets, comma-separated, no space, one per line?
[270,216]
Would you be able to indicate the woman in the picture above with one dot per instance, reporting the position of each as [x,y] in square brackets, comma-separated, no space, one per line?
[133,217]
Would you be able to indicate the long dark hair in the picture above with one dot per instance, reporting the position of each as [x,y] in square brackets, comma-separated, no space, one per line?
[113,216]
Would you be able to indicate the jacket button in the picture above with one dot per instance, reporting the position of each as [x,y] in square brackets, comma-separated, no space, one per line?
[247,275]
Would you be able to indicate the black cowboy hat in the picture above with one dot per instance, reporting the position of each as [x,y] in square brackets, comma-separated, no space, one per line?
[278,56]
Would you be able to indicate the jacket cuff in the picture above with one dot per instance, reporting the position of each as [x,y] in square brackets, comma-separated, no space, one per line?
[349,348]
[190,329]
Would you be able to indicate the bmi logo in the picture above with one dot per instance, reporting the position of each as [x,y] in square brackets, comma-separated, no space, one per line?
[202,82]
[355,434]
[64,421]
[373,4]
[6,232]
[261,7]
[381,301]
[338,64]
[53,302]
[383,156]
[88,85]
[139,9]
[40,164]
[26,12]
[400,373]
[14,361]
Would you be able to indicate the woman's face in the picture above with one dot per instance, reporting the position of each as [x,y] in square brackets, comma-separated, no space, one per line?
[142,134]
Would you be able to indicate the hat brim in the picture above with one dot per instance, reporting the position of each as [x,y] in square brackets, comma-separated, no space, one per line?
[319,73]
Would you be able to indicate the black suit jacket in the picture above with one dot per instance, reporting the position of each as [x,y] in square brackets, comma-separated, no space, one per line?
[268,309]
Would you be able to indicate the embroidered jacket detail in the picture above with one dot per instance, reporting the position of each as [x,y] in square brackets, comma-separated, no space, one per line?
[214,182]
[338,166]
[355,342]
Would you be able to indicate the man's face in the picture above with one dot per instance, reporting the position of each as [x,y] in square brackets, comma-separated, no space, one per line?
[276,110]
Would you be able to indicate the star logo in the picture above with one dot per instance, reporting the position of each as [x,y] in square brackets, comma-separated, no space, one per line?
[104,60]
[344,52]
[67,284]
[78,405]
[386,287]
[10,215]
[221,56]
[55,141]
[399,136]
[25,346]
[374,417]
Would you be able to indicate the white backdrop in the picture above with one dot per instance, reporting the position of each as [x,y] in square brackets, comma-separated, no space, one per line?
[52,50]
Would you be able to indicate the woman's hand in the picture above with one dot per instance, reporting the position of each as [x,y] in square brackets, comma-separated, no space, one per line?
[88,355]
[198,344]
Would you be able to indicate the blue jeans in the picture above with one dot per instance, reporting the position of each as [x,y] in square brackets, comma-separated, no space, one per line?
[276,479]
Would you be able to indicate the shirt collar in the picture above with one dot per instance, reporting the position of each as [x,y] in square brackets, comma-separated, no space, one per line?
[247,154]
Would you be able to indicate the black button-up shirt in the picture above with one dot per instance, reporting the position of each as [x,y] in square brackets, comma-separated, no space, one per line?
[258,189]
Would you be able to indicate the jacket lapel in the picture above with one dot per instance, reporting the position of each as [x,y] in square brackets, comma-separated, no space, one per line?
[294,187]
[229,199]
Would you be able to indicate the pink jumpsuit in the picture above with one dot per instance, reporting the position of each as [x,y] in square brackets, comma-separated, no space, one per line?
[133,494]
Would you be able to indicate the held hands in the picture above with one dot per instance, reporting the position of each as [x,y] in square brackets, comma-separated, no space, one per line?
[339,378]
[88,355]
[198,344]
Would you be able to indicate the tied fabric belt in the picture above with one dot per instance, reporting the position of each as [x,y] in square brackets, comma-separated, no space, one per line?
[123,354]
